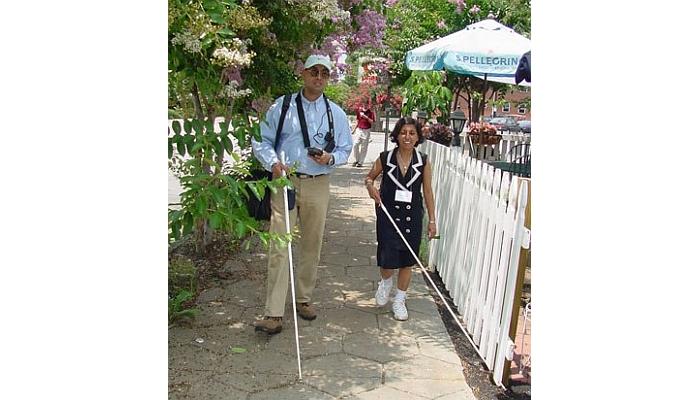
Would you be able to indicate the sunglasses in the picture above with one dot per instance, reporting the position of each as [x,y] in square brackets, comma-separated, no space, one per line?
[315,72]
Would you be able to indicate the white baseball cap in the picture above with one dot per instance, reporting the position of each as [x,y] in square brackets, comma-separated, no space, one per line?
[317,59]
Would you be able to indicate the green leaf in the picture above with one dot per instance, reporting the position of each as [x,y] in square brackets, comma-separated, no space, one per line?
[226,32]
[175,230]
[217,194]
[217,19]
[210,5]
[215,220]
[181,147]
[177,128]
[198,126]
[189,143]
[170,148]
[228,144]
[237,350]
[207,40]
[209,125]
[217,146]
[182,296]
[240,229]
[196,146]
[188,126]
[201,205]
[224,128]
[187,223]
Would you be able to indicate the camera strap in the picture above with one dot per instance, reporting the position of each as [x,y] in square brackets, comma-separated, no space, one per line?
[330,137]
[280,123]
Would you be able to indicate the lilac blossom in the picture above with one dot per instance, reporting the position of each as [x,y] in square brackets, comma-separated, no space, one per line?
[371,31]
[475,9]
[349,3]
[441,24]
[390,3]
[459,4]
[261,104]
[233,74]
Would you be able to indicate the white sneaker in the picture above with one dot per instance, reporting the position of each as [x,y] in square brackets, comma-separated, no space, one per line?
[400,311]
[382,295]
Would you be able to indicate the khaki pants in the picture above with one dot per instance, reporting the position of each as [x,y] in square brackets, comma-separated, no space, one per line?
[362,144]
[311,206]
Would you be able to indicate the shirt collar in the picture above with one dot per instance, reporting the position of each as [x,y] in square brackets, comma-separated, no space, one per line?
[306,102]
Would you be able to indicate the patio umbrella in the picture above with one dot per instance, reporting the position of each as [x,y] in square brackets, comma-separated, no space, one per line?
[523,71]
[485,49]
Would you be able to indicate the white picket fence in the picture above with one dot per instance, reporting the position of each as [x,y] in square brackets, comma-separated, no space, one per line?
[510,140]
[480,217]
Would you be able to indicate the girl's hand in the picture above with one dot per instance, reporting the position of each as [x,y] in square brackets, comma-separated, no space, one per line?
[374,194]
[432,230]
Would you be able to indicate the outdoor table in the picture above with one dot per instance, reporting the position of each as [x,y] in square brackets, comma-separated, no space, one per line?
[514,168]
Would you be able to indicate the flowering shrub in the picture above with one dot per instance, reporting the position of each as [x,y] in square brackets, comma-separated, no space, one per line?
[188,41]
[440,133]
[230,91]
[213,73]
[395,100]
[234,55]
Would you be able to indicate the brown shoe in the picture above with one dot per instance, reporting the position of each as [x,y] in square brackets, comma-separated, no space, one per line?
[270,325]
[306,311]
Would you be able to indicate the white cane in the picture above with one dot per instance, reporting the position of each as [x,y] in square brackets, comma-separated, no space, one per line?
[430,279]
[291,269]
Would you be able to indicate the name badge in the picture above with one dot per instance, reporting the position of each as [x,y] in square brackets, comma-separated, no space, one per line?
[403,196]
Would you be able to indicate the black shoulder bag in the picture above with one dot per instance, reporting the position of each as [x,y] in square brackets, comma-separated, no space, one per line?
[261,209]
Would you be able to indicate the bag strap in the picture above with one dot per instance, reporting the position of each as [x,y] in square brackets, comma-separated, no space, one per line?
[302,121]
[285,107]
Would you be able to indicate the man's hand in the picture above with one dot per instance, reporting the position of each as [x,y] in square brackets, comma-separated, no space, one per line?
[322,159]
[277,169]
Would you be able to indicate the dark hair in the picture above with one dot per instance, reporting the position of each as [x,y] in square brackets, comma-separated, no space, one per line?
[407,121]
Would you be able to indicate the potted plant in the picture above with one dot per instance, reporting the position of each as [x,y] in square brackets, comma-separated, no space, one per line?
[483,133]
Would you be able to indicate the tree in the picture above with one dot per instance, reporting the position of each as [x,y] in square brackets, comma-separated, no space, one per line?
[230,59]
[412,23]
[424,91]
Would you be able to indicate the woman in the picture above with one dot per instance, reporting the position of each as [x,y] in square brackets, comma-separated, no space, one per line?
[404,170]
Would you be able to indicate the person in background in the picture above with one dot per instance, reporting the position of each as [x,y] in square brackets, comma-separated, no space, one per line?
[406,178]
[365,118]
[311,182]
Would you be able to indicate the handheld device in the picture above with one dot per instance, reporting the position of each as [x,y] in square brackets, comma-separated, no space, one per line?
[313,152]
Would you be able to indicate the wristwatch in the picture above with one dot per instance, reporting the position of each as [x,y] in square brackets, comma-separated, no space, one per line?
[331,161]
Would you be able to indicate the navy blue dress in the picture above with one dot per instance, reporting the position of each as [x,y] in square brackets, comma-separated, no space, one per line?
[391,250]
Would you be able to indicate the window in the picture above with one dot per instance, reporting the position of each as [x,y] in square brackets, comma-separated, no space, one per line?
[522,109]
[506,107]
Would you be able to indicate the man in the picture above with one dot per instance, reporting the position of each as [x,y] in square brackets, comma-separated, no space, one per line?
[311,183]
[365,118]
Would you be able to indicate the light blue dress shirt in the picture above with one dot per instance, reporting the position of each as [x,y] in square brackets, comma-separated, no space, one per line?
[291,138]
